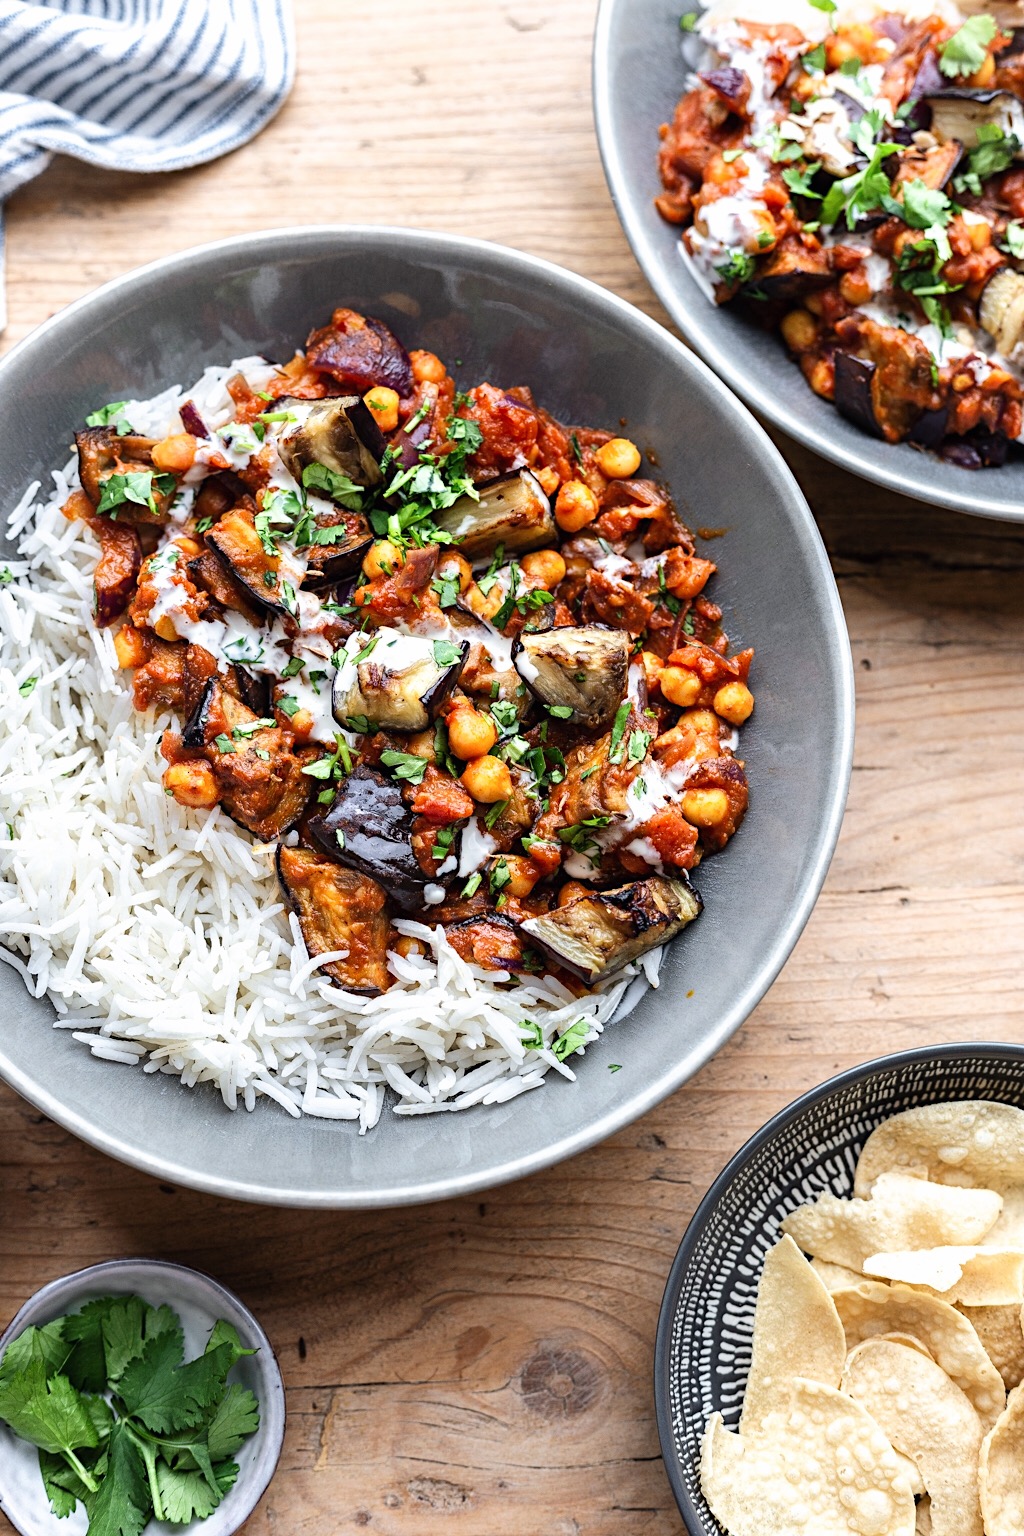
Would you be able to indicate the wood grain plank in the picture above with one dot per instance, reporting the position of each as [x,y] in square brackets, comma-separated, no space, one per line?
[485,1365]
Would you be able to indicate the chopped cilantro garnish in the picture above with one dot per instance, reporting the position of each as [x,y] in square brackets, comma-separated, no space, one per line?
[224,744]
[560,711]
[446,654]
[964,53]
[138,486]
[799,180]
[405,765]
[1013,239]
[495,813]
[687,21]
[616,749]
[472,885]
[447,589]
[814,61]
[317,477]
[111,415]
[6,575]
[500,877]
[573,1040]
[250,728]
[288,705]
[27,686]
[739,267]
[995,151]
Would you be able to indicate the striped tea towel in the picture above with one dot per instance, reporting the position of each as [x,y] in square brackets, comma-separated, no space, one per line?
[136,85]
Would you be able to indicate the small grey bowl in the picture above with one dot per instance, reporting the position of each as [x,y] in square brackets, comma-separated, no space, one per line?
[200,1302]
[702,1353]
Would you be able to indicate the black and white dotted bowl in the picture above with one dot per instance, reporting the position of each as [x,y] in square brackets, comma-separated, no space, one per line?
[199,1301]
[702,1353]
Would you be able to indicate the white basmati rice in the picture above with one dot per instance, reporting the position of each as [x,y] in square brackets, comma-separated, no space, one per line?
[159,934]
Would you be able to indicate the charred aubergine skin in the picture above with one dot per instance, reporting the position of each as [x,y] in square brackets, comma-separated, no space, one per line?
[375,834]
[583,668]
[600,933]
[339,433]
[339,909]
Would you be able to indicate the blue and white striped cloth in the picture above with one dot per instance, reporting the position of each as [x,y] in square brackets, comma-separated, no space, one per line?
[137,85]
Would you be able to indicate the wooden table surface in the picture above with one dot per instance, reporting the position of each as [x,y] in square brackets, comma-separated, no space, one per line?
[485,1365]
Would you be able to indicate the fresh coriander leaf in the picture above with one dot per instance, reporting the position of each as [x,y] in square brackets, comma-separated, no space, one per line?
[573,1039]
[289,599]
[288,705]
[639,742]
[135,486]
[112,415]
[574,444]
[359,723]
[472,885]
[560,711]
[6,575]
[814,62]
[86,1366]
[224,744]
[500,877]
[964,53]
[293,667]
[799,181]
[167,1395]
[187,1495]
[1013,239]
[250,728]
[867,189]
[687,21]
[317,477]
[495,813]
[123,1503]
[224,1332]
[49,1414]
[995,151]
[447,589]
[46,1344]
[533,1034]
[739,267]
[446,654]
[507,608]
[63,1485]
[616,750]
[924,206]
[615,1066]
[468,433]
[405,764]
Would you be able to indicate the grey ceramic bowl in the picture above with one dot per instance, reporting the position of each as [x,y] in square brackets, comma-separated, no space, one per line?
[702,1354]
[639,75]
[200,1302]
[591,358]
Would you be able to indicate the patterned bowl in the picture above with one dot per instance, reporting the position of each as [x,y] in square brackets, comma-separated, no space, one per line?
[702,1353]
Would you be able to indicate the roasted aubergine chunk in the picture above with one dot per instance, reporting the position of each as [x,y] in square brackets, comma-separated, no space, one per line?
[259,776]
[339,434]
[337,909]
[579,668]
[369,828]
[600,933]
[396,682]
[360,351]
[240,550]
[513,512]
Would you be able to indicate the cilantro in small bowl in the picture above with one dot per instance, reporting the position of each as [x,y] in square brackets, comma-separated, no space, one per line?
[134,1392]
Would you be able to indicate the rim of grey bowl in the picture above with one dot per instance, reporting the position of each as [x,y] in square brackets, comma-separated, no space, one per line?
[275,1381]
[723,359]
[532,269]
[1001,1050]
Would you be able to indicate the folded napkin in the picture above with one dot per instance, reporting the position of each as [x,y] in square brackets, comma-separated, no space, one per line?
[136,85]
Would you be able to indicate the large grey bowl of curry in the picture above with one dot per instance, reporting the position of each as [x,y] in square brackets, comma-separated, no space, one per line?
[588,356]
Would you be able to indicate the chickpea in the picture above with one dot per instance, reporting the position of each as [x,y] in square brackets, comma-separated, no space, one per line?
[363,596]
[703,721]
[382,559]
[487,779]
[427,367]
[854,286]
[822,378]
[618,459]
[653,667]
[176,454]
[190,548]
[130,647]
[705,807]
[455,565]
[545,566]
[963,382]
[383,402]
[572,890]
[301,723]
[192,783]
[734,702]
[164,627]
[471,734]
[680,686]
[524,875]
[575,507]
[799,331]
[405,947]
[814,303]
[548,480]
